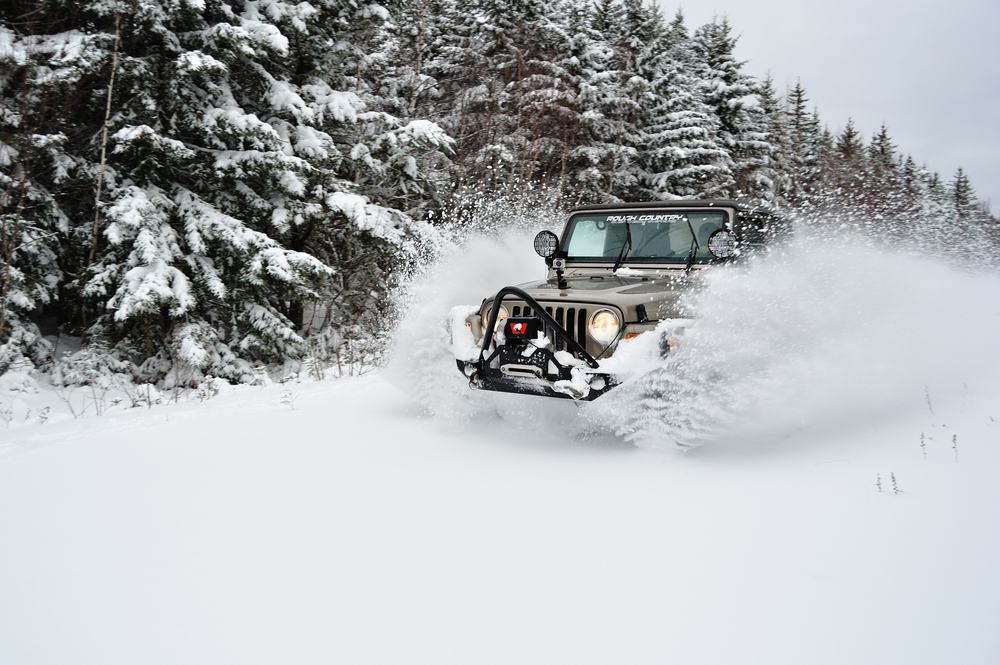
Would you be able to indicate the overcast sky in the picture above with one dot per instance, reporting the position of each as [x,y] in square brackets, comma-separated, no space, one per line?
[929,70]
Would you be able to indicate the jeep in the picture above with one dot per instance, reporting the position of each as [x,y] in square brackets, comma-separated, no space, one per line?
[616,272]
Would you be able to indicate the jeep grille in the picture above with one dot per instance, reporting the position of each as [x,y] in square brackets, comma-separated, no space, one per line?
[573,319]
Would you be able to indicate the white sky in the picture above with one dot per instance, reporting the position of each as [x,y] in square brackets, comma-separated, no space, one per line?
[929,70]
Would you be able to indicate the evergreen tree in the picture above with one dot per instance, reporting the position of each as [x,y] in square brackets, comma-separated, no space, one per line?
[802,148]
[886,196]
[46,72]
[617,95]
[237,150]
[407,87]
[587,59]
[734,98]
[881,151]
[607,19]
[510,100]
[29,220]
[797,116]
[962,196]
[680,152]
[910,173]
[468,87]
[543,96]
[770,182]
[849,148]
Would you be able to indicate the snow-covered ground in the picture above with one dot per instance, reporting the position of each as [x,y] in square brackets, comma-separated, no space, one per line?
[396,518]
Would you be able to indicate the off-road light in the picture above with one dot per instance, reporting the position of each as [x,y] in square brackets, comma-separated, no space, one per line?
[604,326]
[501,315]
[722,244]
[546,244]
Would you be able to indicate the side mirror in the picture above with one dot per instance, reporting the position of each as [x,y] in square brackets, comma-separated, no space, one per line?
[546,244]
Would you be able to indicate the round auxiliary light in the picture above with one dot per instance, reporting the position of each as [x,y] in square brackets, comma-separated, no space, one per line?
[604,326]
[546,244]
[722,244]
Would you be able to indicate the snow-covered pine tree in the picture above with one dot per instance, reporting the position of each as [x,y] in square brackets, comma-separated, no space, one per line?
[509,89]
[962,196]
[797,121]
[44,69]
[586,58]
[400,81]
[544,94]
[466,83]
[886,197]
[414,34]
[882,151]
[966,209]
[618,96]
[773,179]
[841,188]
[932,194]
[472,95]
[244,177]
[680,153]
[606,17]
[805,139]
[398,156]
[821,163]
[733,96]
[532,114]
[848,147]
[598,83]
[29,222]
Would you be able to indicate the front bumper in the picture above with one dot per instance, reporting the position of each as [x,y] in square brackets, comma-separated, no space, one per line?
[488,378]
[531,366]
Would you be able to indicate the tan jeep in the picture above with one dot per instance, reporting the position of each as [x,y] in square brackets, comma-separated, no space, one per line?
[618,271]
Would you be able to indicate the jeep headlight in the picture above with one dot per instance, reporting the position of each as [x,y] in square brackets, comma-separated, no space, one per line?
[501,315]
[604,326]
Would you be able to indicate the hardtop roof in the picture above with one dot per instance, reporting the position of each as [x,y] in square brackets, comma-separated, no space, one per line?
[675,203]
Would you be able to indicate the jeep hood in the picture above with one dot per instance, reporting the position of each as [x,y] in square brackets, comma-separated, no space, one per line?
[658,293]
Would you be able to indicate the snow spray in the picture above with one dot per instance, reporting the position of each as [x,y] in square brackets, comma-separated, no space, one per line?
[823,333]
[829,331]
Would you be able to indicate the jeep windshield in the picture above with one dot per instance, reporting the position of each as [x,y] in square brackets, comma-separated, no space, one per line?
[649,236]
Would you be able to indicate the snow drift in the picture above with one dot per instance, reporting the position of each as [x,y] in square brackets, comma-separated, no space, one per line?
[331,521]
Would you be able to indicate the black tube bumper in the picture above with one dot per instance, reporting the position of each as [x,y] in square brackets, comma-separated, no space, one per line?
[481,378]
[519,365]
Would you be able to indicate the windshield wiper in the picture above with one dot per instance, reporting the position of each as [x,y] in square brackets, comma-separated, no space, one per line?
[694,246]
[628,243]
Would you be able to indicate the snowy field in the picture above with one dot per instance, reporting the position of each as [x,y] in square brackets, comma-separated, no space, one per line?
[845,510]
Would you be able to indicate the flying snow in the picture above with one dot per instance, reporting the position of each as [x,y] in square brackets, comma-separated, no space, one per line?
[822,334]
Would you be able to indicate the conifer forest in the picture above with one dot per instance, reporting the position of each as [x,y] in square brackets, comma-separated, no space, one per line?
[211,187]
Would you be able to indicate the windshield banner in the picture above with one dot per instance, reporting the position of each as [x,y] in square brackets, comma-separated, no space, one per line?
[632,219]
